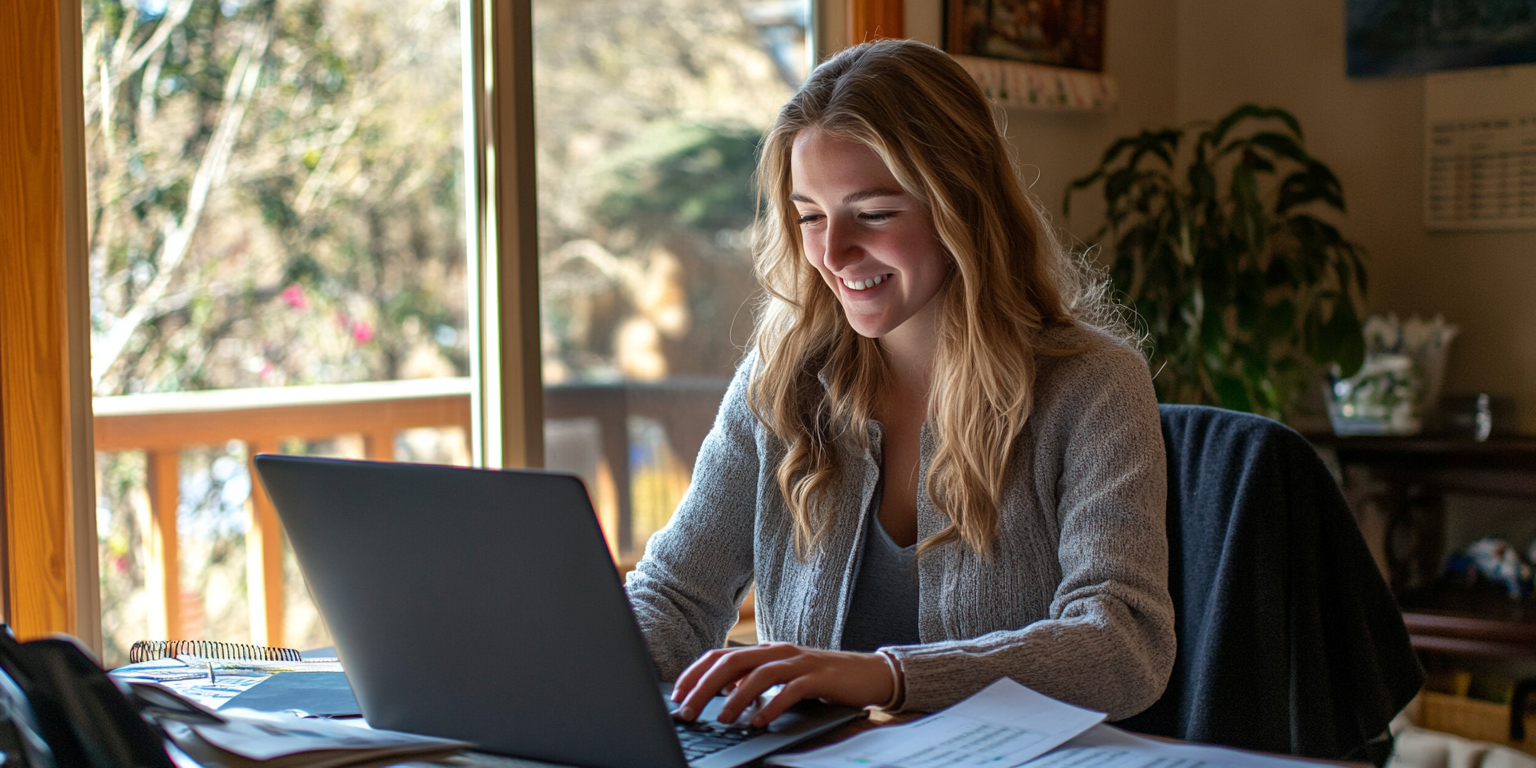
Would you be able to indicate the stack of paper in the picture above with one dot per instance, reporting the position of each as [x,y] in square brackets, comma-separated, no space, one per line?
[249,738]
[1007,725]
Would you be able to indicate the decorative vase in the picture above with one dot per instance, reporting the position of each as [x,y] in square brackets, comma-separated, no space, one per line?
[1401,380]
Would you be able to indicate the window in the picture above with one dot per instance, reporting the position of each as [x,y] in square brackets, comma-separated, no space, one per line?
[278,263]
[276,200]
[645,224]
[51,586]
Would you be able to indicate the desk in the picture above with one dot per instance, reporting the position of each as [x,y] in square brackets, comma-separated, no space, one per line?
[875,720]
[482,760]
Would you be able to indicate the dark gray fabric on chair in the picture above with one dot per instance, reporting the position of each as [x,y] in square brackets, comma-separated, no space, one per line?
[1289,639]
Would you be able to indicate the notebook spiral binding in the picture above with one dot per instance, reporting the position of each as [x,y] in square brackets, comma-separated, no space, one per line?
[153,650]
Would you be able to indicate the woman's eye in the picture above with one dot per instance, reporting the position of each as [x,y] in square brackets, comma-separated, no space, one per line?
[881,216]
[809,218]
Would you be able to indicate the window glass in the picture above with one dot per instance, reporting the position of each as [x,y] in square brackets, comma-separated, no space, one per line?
[648,117]
[275,205]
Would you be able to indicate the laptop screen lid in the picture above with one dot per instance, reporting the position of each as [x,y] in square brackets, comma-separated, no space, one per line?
[476,604]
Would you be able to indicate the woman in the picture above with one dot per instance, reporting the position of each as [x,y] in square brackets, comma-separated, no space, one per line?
[933,469]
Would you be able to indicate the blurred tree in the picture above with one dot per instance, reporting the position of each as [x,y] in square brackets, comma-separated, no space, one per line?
[646,201]
[275,192]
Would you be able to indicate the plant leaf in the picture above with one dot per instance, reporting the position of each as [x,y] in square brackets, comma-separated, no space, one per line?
[1280,320]
[1257,162]
[1282,145]
[1248,210]
[1218,134]
[1231,393]
[1346,339]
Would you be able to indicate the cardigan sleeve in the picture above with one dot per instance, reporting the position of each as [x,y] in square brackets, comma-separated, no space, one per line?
[1108,641]
[696,571]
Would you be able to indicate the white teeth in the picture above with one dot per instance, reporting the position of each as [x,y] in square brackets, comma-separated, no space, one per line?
[859,285]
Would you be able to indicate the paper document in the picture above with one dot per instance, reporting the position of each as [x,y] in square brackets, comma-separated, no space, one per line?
[1004,725]
[211,682]
[279,741]
[1107,747]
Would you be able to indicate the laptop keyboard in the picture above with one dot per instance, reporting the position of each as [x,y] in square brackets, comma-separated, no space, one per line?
[700,739]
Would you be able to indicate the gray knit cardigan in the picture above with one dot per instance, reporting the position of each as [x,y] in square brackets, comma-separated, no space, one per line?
[1074,603]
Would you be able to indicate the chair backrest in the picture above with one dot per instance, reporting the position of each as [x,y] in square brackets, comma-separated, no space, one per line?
[1289,639]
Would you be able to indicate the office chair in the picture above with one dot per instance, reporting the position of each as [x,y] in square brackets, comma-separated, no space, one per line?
[1289,639]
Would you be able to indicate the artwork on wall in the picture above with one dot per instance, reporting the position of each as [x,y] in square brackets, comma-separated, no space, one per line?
[1400,37]
[1059,33]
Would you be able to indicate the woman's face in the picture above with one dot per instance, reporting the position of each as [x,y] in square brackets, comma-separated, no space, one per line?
[874,244]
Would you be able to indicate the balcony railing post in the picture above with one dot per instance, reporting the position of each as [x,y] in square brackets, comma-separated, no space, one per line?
[162,569]
[264,562]
[379,446]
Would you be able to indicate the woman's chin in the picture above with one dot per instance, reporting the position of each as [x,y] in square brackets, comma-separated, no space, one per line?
[869,330]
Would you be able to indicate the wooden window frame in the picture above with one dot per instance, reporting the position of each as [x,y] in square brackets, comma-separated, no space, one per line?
[47,498]
[874,19]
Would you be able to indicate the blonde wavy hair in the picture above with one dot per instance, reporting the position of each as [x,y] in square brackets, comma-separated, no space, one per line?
[817,381]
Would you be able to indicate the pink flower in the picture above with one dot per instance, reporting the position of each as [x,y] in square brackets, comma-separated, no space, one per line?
[362,332]
[294,297]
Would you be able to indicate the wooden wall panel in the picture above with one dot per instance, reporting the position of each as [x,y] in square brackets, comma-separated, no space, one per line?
[33,348]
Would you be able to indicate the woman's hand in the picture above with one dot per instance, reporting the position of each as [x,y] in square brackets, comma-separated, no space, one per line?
[836,677]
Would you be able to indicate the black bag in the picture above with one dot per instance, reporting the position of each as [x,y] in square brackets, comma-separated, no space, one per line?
[61,710]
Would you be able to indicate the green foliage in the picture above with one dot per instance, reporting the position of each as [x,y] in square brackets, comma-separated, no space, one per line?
[307,228]
[1217,238]
[694,177]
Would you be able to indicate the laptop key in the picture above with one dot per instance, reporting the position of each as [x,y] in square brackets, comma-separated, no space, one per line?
[700,739]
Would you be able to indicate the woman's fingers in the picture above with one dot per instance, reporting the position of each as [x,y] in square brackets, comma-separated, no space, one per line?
[690,676]
[720,669]
[736,668]
[756,683]
[855,679]
[793,693]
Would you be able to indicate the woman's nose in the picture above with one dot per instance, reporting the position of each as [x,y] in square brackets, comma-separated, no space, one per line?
[841,248]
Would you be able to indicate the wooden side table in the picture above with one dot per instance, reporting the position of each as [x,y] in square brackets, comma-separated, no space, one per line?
[1409,480]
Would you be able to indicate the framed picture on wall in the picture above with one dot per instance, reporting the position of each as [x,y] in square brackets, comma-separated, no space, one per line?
[1058,33]
[1402,37]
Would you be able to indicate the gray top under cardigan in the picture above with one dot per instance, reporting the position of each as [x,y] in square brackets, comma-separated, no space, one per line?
[883,609]
[1074,603]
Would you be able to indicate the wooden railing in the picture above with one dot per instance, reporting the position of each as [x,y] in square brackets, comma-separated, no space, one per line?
[164,425]
[685,407]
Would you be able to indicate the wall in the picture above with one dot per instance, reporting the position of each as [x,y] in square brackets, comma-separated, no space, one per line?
[1290,53]
[1177,61]
[1056,147]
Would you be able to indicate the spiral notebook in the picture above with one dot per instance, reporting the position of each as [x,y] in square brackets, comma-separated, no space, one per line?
[154,650]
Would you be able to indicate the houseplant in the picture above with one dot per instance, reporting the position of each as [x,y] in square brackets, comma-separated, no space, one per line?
[1218,236]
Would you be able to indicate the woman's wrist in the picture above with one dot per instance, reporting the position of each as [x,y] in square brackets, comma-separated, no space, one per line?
[898,682]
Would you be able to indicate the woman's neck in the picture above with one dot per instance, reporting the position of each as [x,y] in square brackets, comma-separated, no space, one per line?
[909,382]
[909,354]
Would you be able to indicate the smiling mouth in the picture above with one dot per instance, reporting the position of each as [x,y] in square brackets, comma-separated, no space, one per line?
[861,285]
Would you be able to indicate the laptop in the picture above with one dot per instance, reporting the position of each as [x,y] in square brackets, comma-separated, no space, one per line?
[483,605]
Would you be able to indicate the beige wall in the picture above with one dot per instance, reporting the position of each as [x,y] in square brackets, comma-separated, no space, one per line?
[1290,53]
[1056,147]
[1181,60]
